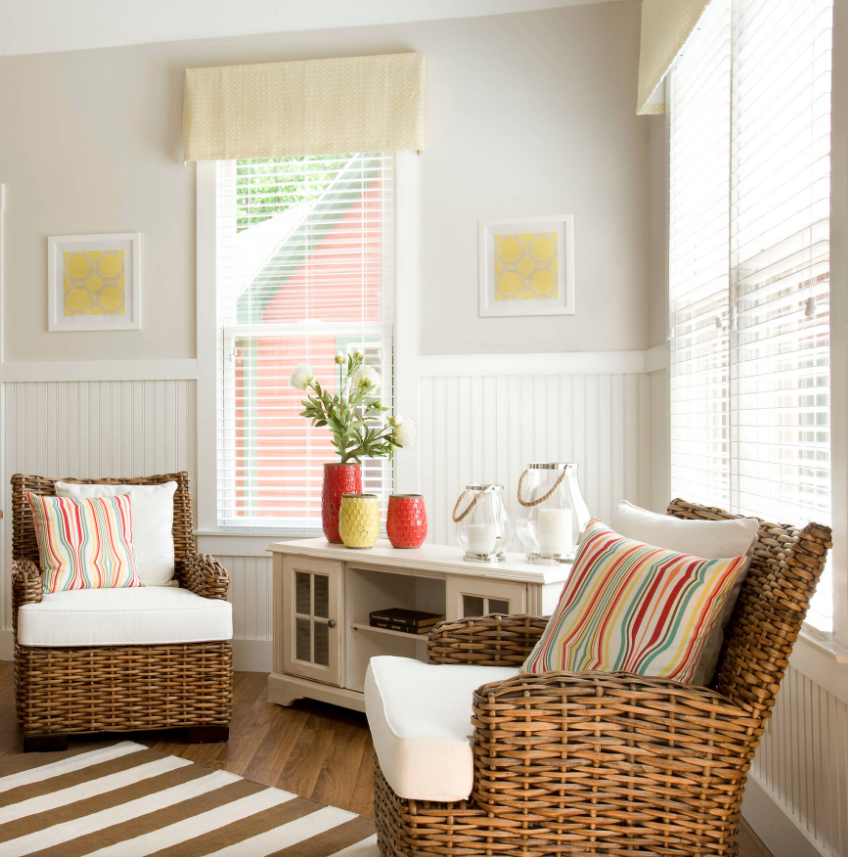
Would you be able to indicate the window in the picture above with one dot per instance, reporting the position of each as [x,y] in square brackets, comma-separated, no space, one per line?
[749,263]
[305,270]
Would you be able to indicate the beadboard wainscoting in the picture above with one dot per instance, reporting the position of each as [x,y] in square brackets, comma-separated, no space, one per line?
[93,429]
[801,770]
[488,428]
[251,597]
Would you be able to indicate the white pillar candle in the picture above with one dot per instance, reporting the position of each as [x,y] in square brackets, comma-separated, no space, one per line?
[553,527]
[481,538]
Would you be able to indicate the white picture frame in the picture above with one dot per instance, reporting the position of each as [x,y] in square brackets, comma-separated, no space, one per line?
[94,282]
[535,283]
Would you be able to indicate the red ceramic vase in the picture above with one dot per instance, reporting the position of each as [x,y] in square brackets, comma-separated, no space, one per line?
[338,479]
[406,523]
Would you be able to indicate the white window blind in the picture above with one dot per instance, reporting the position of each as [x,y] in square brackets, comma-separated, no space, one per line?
[699,249]
[770,455]
[305,270]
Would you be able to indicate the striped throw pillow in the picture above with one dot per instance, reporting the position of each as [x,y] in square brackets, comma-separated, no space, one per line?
[85,543]
[634,607]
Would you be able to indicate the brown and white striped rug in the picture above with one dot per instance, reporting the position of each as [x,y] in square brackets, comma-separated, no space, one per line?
[128,801]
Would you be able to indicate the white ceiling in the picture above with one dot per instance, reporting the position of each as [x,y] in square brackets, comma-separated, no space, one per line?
[43,26]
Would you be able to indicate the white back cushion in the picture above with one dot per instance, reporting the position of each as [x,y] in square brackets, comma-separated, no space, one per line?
[152,521]
[705,539]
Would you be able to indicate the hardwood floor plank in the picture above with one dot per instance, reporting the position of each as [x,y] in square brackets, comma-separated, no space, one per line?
[310,752]
[273,752]
[313,750]
[337,778]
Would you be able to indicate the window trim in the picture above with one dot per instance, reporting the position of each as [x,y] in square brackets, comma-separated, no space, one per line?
[406,336]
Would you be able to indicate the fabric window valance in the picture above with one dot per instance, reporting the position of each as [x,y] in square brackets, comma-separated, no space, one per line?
[666,25]
[311,107]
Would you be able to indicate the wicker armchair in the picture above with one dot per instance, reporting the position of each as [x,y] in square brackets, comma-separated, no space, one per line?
[62,691]
[614,763]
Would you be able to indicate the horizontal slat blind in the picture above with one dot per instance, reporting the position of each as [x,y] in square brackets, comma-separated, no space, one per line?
[750,263]
[699,246]
[780,257]
[305,271]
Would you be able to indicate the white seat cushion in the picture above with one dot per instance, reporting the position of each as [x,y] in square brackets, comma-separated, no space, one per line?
[119,617]
[152,523]
[420,719]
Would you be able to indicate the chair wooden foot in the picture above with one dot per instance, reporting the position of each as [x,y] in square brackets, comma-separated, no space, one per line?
[208,734]
[45,743]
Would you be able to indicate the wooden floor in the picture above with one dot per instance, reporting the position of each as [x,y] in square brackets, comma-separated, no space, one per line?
[313,750]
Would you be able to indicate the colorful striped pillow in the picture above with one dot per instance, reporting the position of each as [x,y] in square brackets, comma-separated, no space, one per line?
[85,543]
[634,607]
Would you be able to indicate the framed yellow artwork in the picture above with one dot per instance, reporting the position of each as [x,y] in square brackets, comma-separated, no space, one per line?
[94,282]
[527,266]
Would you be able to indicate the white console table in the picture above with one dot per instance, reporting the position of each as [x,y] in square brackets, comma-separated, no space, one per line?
[324,593]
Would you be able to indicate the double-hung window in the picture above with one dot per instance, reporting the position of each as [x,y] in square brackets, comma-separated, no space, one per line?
[305,271]
[749,263]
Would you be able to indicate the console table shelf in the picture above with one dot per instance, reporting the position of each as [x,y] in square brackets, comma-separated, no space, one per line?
[322,652]
[362,626]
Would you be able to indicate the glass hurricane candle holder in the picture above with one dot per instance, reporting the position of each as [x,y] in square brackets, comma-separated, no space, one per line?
[483,528]
[552,512]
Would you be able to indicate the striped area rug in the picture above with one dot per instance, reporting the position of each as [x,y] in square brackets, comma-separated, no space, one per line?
[128,801]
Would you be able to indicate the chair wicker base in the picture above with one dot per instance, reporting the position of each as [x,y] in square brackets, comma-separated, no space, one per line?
[416,828]
[61,691]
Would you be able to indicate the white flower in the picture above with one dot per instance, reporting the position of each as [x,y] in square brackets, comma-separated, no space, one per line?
[365,379]
[301,377]
[396,420]
[340,358]
[406,434]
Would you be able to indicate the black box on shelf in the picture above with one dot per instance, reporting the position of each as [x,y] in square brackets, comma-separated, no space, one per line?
[401,619]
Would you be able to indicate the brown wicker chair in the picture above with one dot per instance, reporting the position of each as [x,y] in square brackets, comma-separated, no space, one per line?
[614,763]
[63,691]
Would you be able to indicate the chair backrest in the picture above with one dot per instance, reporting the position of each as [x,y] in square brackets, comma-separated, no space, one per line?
[766,621]
[25,542]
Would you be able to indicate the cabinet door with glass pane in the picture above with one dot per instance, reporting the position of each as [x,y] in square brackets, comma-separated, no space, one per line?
[312,632]
[468,597]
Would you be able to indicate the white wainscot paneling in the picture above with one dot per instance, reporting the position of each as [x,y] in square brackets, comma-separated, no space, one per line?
[801,769]
[486,428]
[250,595]
[91,429]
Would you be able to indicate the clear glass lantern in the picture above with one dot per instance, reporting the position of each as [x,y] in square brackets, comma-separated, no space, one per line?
[552,512]
[483,528]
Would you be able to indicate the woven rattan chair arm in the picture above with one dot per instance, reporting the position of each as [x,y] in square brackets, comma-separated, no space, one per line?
[496,640]
[205,576]
[536,736]
[27,583]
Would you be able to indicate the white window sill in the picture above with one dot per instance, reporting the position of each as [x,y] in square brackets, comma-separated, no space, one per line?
[248,542]
[818,642]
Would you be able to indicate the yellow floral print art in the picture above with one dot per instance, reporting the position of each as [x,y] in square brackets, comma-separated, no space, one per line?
[94,283]
[526,266]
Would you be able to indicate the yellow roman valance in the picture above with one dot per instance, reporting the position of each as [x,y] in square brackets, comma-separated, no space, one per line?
[311,107]
[666,25]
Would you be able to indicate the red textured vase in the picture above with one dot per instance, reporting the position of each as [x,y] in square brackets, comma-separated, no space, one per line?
[338,479]
[406,522]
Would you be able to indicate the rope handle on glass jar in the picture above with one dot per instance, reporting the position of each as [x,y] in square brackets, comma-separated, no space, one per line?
[530,503]
[471,505]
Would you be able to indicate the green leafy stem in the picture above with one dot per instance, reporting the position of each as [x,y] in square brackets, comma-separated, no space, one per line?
[352,415]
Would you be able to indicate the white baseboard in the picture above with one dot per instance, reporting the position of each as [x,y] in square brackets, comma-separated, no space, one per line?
[774,825]
[7,646]
[253,656]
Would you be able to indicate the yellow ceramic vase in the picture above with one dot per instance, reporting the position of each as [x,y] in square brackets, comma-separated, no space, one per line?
[359,520]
